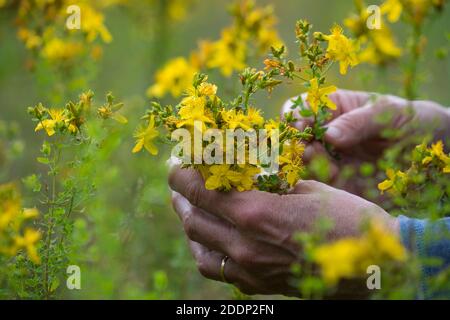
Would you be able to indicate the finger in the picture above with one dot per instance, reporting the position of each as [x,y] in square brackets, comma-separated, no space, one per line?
[345,101]
[309,187]
[360,124]
[219,235]
[348,100]
[209,264]
[232,206]
[206,229]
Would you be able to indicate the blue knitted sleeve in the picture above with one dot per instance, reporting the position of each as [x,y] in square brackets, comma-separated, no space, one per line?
[430,240]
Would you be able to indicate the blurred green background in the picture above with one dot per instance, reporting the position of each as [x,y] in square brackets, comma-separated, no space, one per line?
[133,243]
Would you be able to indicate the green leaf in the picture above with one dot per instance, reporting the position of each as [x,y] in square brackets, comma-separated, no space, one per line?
[43,160]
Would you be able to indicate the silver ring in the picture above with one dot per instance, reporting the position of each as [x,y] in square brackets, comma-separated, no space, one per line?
[222,269]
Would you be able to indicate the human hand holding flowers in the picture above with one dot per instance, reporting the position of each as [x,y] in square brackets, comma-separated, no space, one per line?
[256,230]
[360,125]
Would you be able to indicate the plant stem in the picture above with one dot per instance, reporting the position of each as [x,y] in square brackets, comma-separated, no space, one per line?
[411,73]
[50,228]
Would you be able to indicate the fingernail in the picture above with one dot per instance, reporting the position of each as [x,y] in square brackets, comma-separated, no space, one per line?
[334,132]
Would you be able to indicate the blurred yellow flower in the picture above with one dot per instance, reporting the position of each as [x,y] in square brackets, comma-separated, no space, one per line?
[175,77]
[30,38]
[393,9]
[378,45]
[145,136]
[437,152]
[12,217]
[28,241]
[57,50]
[396,181]
[93,24]
[318,97]
[381,47]
[228,54]
[350,257]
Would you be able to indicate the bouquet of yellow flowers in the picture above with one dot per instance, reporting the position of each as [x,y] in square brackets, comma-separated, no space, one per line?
[230,143]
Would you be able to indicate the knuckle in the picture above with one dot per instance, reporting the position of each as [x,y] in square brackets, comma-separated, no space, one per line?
[248,218]
[243,257]
[251,215]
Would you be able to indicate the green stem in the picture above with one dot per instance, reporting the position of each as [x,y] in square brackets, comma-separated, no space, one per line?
[50,221]
[411,74]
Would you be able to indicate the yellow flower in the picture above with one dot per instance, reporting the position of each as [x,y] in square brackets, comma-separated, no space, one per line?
[30,38]
[246,177]
[437,152]
[271,125]
[318,97]
[228,54]
[292,173]
[341,49]
[221,177]
[396,181]
[339,259]
[193,109]
[235,119]
[28,241]
[174,78]
[350,257]
[393,9]
[381,48]
[93,24]
[379,44]
[177,9]
[145,136]
[60,50]
[30,213]
[253,117]
[57,117]
[207,89]
[268,38]
[291,161]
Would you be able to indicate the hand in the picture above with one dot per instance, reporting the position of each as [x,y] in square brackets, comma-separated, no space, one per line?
[356,132]
[255,229]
